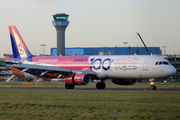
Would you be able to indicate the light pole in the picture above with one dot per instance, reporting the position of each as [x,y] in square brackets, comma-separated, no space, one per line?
[178,49]
[125,46]
[174,49]
[43,47]
[164,49]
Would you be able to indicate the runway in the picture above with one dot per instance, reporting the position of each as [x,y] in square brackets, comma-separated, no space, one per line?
[88,89]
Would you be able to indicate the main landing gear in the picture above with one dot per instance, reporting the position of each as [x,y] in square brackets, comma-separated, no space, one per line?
[68,86]
[101,85]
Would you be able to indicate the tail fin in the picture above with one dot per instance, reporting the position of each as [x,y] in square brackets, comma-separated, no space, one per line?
[19,48]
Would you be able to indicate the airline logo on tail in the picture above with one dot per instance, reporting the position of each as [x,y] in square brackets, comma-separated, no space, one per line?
[18,45]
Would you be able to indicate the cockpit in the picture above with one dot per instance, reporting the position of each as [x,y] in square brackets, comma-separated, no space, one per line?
[162,63]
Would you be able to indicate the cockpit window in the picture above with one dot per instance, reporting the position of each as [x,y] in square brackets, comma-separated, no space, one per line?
[165,63]
[162,63]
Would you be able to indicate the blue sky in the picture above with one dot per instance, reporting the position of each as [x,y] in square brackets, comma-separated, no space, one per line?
[93,23]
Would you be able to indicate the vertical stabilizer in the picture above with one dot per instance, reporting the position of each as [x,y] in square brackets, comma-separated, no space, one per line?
[19,48]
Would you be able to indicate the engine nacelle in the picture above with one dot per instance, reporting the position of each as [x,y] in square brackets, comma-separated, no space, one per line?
[124,81]
[78,79]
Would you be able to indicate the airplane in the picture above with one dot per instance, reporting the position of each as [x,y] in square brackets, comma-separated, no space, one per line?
[15,72]
[80,70]
[29,77]
[19,73]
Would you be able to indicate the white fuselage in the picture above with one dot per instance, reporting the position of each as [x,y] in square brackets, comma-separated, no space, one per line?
[133,66]
[112,67]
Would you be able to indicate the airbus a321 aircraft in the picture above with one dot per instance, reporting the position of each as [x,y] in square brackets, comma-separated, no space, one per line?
[80,70]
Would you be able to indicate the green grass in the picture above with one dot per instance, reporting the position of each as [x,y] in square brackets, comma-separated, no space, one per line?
[80,105]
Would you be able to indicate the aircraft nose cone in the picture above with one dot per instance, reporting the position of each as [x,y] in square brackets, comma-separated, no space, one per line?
[172,70]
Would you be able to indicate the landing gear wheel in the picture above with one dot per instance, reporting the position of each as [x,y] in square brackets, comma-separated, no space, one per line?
[72,87]
[100,85]
[103,85]
[68,86]
[152,87]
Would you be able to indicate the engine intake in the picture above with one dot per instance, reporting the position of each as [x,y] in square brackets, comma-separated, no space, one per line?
[124,81]
[78,79]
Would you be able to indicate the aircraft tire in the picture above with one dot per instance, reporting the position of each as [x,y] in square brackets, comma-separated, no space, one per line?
[67,86]
[71,86]
[103,85]
[152,87]
[100,85]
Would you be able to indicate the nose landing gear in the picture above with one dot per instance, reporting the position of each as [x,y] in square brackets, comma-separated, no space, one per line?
[153,86]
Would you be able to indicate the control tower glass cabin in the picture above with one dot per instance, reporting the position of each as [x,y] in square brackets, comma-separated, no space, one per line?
[60,23]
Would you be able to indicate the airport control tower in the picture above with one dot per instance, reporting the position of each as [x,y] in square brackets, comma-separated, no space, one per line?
[60,23]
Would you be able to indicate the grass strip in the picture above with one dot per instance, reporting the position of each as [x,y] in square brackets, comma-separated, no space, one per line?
[80,105]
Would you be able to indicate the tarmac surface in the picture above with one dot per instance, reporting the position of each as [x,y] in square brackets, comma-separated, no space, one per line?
[87,89]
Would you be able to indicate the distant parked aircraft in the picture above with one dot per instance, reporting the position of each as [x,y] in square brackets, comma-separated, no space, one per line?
[15,72]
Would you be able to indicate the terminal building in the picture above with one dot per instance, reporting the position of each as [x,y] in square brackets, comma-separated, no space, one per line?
[108,51]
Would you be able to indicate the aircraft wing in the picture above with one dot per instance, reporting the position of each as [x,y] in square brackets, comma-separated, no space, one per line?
[48,69]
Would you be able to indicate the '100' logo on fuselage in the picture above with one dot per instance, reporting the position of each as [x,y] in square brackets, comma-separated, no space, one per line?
[98,63]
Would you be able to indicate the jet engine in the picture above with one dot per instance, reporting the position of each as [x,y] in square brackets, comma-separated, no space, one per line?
[78,79]
[124,81]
